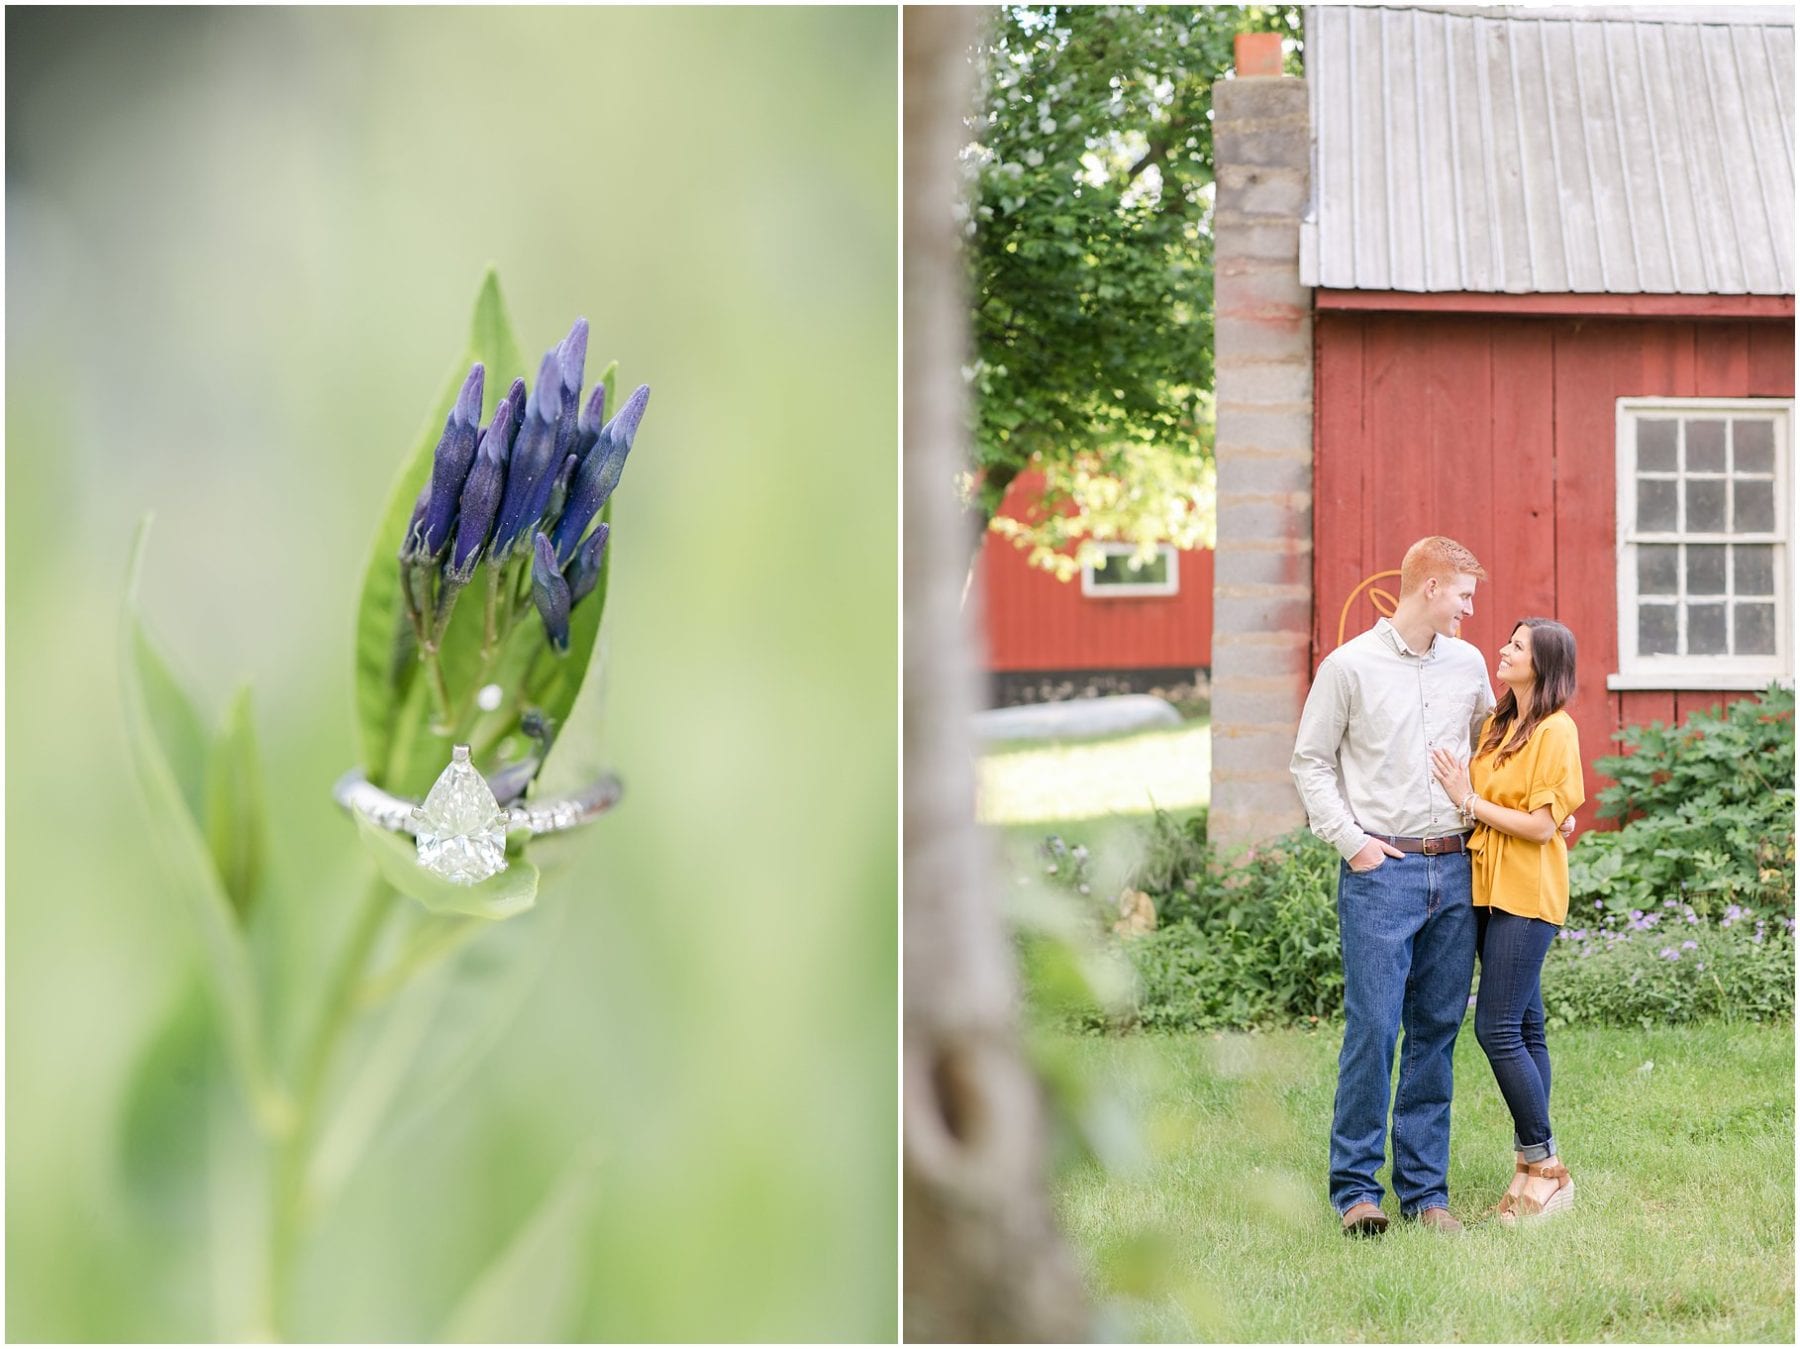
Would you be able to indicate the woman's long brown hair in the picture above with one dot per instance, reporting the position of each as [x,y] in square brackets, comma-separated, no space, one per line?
[1553,665]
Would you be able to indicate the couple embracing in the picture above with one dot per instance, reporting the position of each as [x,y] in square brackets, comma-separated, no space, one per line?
[1450,811]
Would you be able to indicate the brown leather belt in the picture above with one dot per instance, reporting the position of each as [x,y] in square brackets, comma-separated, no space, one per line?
[1431,847]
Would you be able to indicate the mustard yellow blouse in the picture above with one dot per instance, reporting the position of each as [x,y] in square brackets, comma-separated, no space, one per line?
[1514,874]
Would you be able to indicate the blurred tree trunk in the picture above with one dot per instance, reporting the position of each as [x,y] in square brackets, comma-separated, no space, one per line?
[983,1258]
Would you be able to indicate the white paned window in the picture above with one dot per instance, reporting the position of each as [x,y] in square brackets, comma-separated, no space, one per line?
[1704,543]
[1119,574]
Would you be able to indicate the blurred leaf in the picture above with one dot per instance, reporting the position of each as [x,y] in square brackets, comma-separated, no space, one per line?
[236,820]
[510,893]
[184,847]
[175,722]
[162,1126]
[529,1292]
[437,1030]
[383,684]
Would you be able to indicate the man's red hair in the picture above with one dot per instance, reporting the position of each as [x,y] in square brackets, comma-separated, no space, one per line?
[1436,556]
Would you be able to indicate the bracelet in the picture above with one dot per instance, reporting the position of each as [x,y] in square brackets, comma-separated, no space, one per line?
[1463,809]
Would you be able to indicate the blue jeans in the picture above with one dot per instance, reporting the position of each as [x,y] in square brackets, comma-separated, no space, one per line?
[1509,1022]
[1408,935]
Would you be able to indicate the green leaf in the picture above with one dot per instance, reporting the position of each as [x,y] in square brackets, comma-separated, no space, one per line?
[236,819]
[529,1292]
[387,688]
[172,716]
[162,1127]
[510,893]
[147,692]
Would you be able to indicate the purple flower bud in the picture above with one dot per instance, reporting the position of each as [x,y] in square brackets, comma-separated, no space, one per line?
[551,594]
[450,465]
[587,425]
[574,359]
[559,489]
[529,477]
[583,574]
[571,355]
[481,494]
[508,784]
[410,542]
[599,473]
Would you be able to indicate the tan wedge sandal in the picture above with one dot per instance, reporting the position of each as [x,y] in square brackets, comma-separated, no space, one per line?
[1504,1209]
[1528,1210]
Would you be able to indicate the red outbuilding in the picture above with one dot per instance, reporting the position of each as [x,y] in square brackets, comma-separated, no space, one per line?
[1524,278]
[1111,628]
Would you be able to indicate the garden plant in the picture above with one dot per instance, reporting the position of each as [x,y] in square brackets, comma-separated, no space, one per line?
[477,697]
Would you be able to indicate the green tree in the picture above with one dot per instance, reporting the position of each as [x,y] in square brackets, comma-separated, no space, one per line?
[1089,234]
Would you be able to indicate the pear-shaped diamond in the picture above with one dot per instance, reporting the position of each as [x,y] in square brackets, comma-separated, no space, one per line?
[461,830]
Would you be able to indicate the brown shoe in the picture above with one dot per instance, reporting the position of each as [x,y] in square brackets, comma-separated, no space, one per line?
[1438,1220]
[1364,1220]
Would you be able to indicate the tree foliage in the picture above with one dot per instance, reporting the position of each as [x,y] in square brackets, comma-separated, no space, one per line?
[1088,226]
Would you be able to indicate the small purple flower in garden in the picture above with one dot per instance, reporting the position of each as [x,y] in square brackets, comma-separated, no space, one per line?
[534,460]
[1668,903]
[559,489]
[1636,914]
[450,464]
[599,473]
[1690,946]
[1692,919]
[1733,912]
[550,593]
[481,493]
[583,574]
[1669,953]
[589,422]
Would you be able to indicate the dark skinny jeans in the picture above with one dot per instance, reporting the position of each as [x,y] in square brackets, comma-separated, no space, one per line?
[1509,1021]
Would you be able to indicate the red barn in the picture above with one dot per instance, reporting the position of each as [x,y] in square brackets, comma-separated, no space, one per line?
[1525,278]
[1110,629]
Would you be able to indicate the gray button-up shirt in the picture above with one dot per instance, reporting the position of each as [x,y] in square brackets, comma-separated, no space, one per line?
[1374,714]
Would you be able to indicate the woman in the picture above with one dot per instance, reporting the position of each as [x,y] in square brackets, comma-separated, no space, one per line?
[1524,780]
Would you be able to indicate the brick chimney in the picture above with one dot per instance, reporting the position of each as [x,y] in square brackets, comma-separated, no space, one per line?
[1262,339]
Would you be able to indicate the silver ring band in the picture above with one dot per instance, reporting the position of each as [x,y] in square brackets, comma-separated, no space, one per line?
[354,792]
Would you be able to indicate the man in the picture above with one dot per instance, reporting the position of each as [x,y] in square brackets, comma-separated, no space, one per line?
[1380,704]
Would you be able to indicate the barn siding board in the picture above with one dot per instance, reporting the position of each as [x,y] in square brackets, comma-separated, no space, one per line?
[1771,373]
[1668,364]
[1337,474]
[1521,562]
[1640,707]
[1722,358]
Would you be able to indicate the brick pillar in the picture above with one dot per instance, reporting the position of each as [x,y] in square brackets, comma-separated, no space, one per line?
[1262,588]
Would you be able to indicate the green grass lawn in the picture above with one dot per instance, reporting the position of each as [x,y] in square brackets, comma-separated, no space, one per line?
[1680,1140]
[1075,782]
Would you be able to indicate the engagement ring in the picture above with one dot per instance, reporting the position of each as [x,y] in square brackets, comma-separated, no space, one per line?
[460,828]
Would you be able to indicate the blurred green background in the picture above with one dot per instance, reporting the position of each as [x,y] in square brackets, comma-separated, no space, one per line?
[242,247]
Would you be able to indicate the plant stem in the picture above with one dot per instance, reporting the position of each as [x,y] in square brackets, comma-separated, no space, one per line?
[418,957]
[288,1215]
[440,690]
[489,642]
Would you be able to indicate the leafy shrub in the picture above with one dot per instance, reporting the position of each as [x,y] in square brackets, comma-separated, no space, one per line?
[1250,942]
[1669,966]
[1707,812]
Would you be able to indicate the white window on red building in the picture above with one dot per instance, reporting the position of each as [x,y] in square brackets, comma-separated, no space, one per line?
[1704,543]
[1119,573]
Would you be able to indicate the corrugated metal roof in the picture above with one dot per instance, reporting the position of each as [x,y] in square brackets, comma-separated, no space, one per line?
[1623,150]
